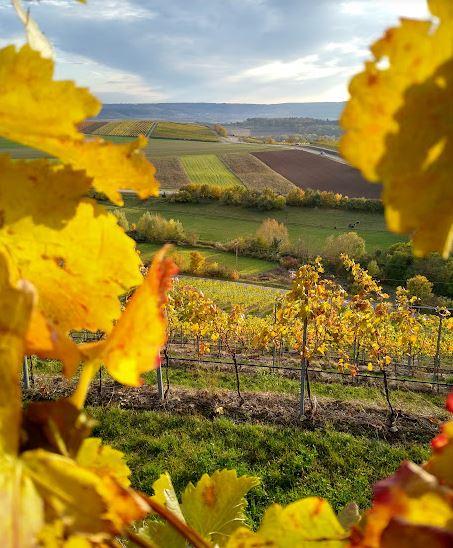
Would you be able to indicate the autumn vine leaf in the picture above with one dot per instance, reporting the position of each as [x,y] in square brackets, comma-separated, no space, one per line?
[40,112]
[63,243]
[135,341]
[399,127]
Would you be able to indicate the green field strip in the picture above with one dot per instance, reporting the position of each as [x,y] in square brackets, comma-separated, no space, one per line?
[209,170]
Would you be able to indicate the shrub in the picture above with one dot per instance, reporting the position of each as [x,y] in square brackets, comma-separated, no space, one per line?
[290,263]
[273,234]
[373,268]
[350,244]
[296,197]
[197,262]
[154,228]
[419,286]
[121,219]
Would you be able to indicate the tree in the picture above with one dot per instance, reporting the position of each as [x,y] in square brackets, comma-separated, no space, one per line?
[220,130]
[273,234]
[373,268]
[197,262]
[419,286]
[121,219]
[350,244]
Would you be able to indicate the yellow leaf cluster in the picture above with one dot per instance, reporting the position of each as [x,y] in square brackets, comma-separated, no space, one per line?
[399,127]
[40,112]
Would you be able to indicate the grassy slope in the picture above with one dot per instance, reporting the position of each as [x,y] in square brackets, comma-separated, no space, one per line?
[291,462]
[245,265]
[216,222]
[171,147]
[208,169]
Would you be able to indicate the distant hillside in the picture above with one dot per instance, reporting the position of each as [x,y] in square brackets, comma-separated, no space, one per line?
[219,112]
[307,127]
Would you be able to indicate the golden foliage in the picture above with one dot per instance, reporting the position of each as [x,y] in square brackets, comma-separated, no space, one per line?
[40,112]
[399,127]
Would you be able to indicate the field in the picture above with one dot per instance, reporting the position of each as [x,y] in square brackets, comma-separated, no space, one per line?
[18,151]
[158,148]
[244,265]
[209,170]
[170,173]
[256,299]
[255,174]
[89,126]
[191,132]
[307,170]
[130,128]
[216,222]
[292,462]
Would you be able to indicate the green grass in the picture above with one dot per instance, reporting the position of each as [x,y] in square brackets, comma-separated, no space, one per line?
[215,222]
[208,169]
[291,462]
[244,265]
[174,130]
[158,148]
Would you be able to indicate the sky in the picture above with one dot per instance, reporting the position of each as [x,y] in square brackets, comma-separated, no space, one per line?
[239,51]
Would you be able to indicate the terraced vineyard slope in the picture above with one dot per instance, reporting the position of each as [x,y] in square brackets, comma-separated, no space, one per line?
[192,132]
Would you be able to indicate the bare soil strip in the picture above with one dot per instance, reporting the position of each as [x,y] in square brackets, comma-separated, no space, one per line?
[307,170]
[256,175]
[264,408]
[170,173]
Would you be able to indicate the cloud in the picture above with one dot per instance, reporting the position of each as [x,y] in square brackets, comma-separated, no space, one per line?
[213,50]
[102,10]
[107,83]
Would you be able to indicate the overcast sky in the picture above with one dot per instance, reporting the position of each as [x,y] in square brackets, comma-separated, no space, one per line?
[255,51]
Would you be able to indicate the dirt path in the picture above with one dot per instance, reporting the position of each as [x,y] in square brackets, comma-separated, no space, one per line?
[264,408]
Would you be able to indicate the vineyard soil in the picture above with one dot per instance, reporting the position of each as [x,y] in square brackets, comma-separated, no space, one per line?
[308,170]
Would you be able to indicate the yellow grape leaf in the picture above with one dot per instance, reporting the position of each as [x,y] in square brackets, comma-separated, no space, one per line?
[42,113]
[412,498]
[441,462]
[104,460]
[161,533]
[215,505]
[73,252]
[15,305]
[47,342]
[87,503]
[307,522]
[133,346]
[164,493]
[35,37]
[399,128]
[21,507]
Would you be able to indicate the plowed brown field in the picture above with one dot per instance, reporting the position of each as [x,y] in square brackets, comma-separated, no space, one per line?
[307,170]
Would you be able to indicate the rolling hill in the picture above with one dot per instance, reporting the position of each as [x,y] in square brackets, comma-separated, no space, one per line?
[219,112]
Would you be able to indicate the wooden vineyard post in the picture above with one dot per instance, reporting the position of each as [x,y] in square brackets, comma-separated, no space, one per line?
[437,355]
[303,370]
[274,349]
[25,374]
[160,383]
